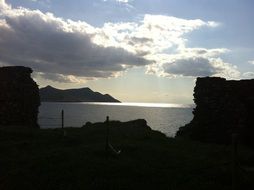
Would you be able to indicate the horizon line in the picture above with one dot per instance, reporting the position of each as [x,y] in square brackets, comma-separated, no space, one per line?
[134,104]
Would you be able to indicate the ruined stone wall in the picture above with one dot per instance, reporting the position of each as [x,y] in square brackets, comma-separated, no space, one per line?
[222,108]
[19,97]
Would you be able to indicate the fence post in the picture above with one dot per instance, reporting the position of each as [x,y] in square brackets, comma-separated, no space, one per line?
[62,117]
[234,160]
[107,133]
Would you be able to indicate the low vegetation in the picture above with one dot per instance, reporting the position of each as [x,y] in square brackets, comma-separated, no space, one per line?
[47,159]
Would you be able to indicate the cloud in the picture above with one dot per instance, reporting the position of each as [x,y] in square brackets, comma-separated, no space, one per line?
[60,77]
[248,75]
[56,46]
[193,66]
[251,62]
[163,31]
[200,66]
[119,1]
[4,6]
[162,39]
[194,62]
[74,51]
[122,1]
[125,3]
[213,24]
[42,2]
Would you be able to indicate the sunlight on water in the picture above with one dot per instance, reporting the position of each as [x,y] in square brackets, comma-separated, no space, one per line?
[136,104]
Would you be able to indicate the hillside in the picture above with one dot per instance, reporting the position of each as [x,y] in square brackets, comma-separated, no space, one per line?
[50,94]
[45,159]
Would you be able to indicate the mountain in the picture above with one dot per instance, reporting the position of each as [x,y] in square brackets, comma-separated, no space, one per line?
[51,94]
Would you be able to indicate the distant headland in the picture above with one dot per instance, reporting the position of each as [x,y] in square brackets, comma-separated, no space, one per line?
[51,94]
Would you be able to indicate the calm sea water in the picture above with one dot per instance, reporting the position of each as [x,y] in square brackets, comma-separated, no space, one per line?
[166,118]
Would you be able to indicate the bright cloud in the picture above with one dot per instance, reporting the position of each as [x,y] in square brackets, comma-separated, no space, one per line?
[154,32]
[162,39]
[251,62]
[120,1]
[248,75]
[74,51]
[60,77]
[123,1]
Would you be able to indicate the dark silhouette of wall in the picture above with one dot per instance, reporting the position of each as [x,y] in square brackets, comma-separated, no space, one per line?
[19,97]
[222,108]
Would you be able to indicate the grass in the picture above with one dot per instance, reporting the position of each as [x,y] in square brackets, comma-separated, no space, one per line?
[45,159]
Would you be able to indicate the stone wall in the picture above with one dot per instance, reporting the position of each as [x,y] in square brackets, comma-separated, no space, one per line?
[222,108]
[19,97]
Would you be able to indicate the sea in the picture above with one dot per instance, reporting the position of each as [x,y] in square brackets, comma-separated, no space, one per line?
[166,118]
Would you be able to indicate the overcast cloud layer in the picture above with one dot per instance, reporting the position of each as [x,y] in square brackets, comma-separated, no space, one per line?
[69,51]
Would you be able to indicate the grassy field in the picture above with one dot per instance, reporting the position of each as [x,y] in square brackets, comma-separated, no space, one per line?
[45,159]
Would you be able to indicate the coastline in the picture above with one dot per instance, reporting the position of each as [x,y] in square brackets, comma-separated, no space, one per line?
[165,119]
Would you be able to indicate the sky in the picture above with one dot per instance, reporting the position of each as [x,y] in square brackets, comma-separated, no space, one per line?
[135,50]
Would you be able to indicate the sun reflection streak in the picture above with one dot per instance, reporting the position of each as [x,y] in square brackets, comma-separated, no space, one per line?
[137,104]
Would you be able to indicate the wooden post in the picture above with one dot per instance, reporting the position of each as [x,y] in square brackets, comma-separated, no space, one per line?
[62,117]
[107,134]
[234,160]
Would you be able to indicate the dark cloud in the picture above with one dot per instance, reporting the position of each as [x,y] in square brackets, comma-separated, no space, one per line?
[52,45]
[194,66]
